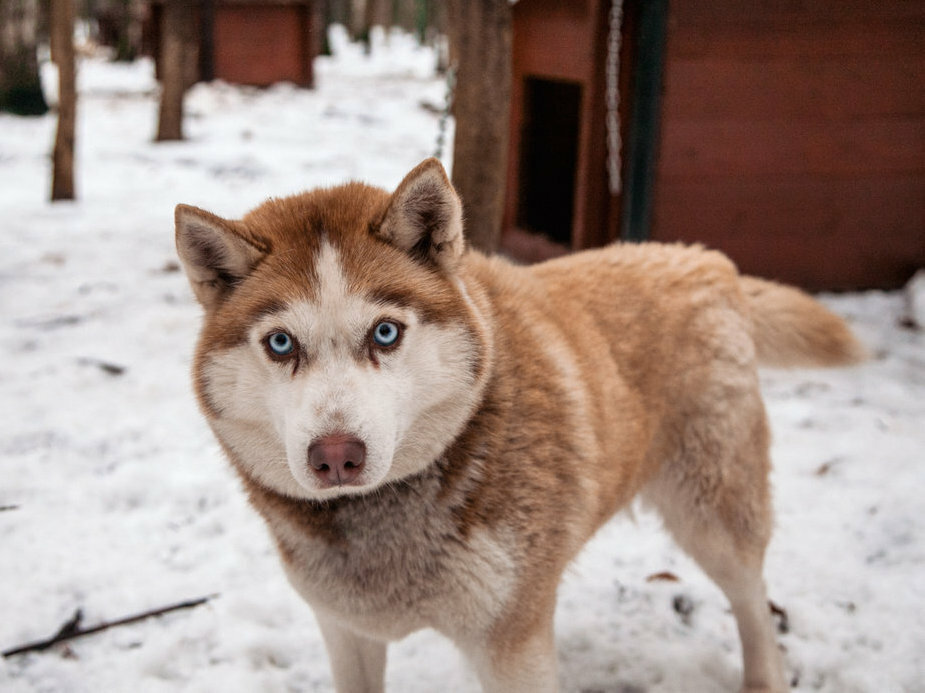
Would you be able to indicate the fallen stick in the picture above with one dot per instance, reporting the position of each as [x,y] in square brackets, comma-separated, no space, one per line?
[72,629]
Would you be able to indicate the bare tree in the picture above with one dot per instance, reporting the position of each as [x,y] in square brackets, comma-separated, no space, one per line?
[338,12]
[480,37]
[375,13]
[62,53]
[20,87]
[125,18]
[356,19]
[177,39]
[378,13]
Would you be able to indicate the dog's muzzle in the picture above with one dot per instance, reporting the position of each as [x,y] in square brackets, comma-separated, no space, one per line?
[337,459]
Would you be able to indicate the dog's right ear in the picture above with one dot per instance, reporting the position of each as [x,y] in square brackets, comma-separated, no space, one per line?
[214,252]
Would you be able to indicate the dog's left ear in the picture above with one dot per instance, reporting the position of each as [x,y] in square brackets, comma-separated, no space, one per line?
[424,217]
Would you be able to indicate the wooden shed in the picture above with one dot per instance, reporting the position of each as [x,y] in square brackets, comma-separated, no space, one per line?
[253,42]
[790,135]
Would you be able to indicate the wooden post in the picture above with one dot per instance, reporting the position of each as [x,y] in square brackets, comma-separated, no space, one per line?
[207,40]
[480,35]
[129,28]
[62,53]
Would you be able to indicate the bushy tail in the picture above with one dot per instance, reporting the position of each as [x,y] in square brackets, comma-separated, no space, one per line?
[792,329]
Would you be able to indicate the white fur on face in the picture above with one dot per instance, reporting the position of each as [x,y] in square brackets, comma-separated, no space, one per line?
[406,410]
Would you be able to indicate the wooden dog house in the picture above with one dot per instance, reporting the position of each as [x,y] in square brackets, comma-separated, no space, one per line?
[253,42]
[789,135]
[557,186]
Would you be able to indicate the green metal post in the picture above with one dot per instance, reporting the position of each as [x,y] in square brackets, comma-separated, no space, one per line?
[642,144]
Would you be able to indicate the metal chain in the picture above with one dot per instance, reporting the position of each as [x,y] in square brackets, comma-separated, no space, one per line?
[447,109]
[612,77]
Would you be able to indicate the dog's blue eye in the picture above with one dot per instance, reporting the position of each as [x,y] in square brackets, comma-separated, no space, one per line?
[280,344]
[386,333]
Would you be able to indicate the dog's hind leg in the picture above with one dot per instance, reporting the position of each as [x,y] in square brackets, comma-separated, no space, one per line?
[357,662]
[716,503]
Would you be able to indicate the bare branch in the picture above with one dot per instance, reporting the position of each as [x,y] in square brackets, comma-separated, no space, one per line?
[72,629]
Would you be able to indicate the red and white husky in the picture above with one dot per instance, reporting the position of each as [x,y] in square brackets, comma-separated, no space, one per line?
[432,435]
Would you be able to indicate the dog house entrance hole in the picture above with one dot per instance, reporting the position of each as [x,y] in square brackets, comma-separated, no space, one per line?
[549,157]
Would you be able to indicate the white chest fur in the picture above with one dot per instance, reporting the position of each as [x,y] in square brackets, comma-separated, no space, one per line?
[396,561]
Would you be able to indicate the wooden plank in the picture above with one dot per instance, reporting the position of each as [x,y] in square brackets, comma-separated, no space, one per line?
[783,12]
[818,233]
[723,149]
[849,88]
[795,206]
[258,46]
[835,40]
[553,39]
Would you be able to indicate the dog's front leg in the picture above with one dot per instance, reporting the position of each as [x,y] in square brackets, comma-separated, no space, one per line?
[522,665]
[357,662]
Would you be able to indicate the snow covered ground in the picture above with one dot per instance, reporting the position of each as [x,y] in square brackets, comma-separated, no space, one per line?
[114,498]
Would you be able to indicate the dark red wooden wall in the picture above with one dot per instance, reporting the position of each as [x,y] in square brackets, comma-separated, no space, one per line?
[265,43]
[254,42]
[793,137]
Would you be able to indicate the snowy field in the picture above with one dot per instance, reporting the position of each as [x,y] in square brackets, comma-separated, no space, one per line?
[114,498]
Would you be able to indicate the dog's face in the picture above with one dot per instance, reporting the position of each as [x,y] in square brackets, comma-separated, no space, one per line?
[339,350]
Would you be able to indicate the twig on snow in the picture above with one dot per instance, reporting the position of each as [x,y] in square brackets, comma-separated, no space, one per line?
[780,615]
[72,628]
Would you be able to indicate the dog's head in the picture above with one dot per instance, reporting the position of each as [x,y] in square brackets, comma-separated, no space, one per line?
[340,349]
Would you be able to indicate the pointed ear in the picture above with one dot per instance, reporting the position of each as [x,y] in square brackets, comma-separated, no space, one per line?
[424,217]
[214,253]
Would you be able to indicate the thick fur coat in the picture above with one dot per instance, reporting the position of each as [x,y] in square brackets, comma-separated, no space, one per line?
[432,435]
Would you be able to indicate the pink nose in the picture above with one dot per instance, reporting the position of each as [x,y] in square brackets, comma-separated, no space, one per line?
[337,459]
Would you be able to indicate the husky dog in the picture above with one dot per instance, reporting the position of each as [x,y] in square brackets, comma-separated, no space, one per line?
[432,434]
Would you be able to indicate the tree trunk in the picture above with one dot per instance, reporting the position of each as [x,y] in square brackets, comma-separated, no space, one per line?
[338,12]
[128,42]
[357,20]
[404,14]
[375,13]
[480,35]
[62,53]
[329,10]
[20,87]
[177,34]
[378,13]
